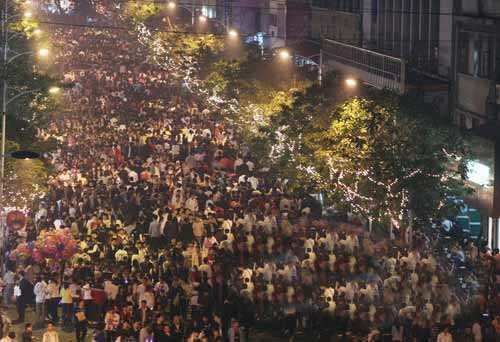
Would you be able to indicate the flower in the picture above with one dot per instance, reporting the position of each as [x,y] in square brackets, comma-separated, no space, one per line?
[54,244]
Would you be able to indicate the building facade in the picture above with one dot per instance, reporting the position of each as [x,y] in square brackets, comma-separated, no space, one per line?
[245,15]
[275,21]
[476,62]
[447,50]
[337,20]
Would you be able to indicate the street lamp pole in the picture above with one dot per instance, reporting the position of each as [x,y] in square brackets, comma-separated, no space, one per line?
[5,37]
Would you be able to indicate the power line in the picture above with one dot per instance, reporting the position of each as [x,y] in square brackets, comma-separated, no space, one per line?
[187,33]
[284,4]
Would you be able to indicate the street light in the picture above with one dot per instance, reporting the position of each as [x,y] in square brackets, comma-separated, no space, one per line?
[43,52]
[351,82]
[54,90]
[28,14]
[171,5]
[37,32]
[202,19]
[24,154]
[284,55]
[233,33]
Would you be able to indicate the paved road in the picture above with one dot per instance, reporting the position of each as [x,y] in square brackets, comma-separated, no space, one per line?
[63,336]
[66,336]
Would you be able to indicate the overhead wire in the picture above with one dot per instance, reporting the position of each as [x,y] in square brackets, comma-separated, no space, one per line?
[293,6]
[188,32]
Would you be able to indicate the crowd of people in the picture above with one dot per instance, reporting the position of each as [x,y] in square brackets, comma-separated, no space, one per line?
[185,237]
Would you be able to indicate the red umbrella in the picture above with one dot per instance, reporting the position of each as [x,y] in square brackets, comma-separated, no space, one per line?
[226,163]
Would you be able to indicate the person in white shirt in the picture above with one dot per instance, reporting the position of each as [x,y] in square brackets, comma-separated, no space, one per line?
[9,280]
[40,291]
[250,165]
[192,204]
[11,337]
[51,334]
[121,255]
[87,298]
[133,177]
[111,290]
[254,182]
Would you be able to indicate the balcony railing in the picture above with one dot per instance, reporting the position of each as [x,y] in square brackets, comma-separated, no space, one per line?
[381,71]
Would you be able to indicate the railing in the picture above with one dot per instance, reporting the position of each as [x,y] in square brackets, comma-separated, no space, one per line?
[379,70]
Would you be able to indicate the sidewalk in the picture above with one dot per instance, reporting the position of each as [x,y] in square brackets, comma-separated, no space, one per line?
[65,336]
[37,334]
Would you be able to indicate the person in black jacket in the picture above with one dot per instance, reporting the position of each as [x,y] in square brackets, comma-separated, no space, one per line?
[143,314]
[81,322]
[27,335]
[25,298]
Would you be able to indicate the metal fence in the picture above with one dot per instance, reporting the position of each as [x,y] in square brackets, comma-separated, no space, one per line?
[379,70]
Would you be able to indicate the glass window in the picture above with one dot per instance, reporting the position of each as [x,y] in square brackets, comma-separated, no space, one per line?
[497,64]
[462,120]
[463,52]
[209,11]
[475,54]
[273,20]
[485,48]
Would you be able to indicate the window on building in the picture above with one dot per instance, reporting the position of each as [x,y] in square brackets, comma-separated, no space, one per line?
[497,64]
[485,52]
[273,19]
[463,120]
[463,52]
[374,11]
[475,54]
[209,11]
[339,5]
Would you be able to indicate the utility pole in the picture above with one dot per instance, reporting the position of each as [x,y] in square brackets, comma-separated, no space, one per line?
[5,37]
[6,100]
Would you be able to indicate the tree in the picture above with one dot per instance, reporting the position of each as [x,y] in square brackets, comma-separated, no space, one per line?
[29,75]
[260,91]
[140,11]
[379,156]
[28,82]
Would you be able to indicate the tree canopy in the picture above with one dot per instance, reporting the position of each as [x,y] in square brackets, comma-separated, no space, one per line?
[378,157]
